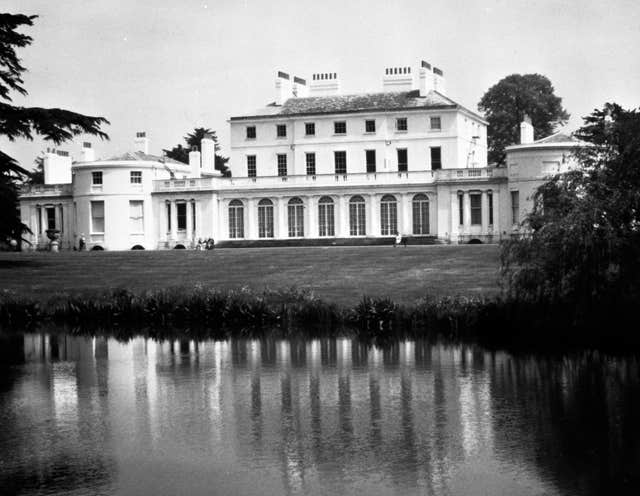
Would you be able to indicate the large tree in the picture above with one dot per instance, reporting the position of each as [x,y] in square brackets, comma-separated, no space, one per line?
[192,140]
[583,239]
[56,125]
[506,103]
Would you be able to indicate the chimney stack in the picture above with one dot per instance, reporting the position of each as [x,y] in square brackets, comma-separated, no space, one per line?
[425,83]
[87,154]
[57,167]
[324,84]
[300,88]
[208,148]
[195,163]
[526,131]
[439,81]
[397,79]
[142,142]
[283,88]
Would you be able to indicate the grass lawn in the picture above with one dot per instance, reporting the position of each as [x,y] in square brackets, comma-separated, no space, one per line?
[339,274]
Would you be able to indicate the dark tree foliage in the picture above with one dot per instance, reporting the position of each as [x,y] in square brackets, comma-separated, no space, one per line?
[55,125]
[192,140]
[583,236]
[506,103]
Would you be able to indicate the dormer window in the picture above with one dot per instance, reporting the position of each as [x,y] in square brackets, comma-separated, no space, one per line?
[401,124]
[251,132]
[281,130]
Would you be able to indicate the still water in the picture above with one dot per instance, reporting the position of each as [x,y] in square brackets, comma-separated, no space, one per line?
[329,416]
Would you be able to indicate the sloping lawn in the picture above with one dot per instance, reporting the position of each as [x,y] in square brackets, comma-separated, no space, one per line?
[339,274]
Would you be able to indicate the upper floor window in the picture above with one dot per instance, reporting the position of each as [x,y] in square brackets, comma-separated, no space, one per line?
[135,177]
[436,158]
[282,164]
[435,123]
[251,166]
[515,207]
[311,164]
[371,160]
[251,132]
[402,160]
[340,162]
[96,178]
[281,130]
[310,128]
[401,124]
[340,127]
[370,126]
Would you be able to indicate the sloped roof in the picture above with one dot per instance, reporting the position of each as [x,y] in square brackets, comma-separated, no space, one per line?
[143,157]
[364,102]
[558,138]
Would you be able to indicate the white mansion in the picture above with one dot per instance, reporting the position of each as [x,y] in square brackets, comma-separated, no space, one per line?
[315,166]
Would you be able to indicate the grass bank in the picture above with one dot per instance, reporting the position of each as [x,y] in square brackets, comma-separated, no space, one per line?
[200,312]
[336,274]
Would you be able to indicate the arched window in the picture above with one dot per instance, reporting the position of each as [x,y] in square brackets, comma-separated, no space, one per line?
[326,225]
[265,218]
[357,216]
[388,215]
[296,218]
[236,219]
[420,205]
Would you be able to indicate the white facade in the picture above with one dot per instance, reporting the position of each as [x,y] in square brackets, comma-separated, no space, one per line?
[325,168]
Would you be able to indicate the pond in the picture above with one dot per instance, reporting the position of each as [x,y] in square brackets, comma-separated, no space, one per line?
[92,415]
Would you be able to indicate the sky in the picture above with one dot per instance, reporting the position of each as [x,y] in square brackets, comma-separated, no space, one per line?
[167,66]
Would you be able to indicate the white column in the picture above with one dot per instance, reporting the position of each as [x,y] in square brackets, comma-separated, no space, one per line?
[467,212]
[251,219]
[406,227]
[497,227]
[43,226]
[455,215]
[311,220]
[281,225]
[56,210]
[372,209]
[485,212]
[174,220]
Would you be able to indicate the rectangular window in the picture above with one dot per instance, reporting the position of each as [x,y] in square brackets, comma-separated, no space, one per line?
[435,123]
[436,158]
[96,178]
[281,130]
[340,162]
[136,216]
[251,132]
[193,216]
[135,177]
[282,164]
[51,217]
[515,207]
[251,166]
[97,217]
[490,200]
[340,127]
[371,160]
[476,208]
[311,164]
[402,160]
[181,214]
[461,209]
[310,129]
[168,217]
[370,126]
[401,124]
